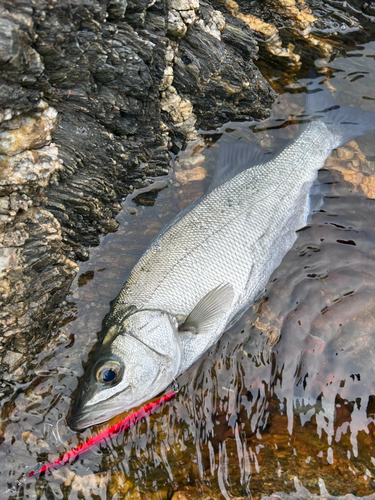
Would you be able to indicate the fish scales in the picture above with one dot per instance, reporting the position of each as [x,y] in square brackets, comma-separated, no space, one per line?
[206,267]
[228,234]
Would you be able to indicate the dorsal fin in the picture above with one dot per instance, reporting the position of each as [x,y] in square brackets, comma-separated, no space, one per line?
[235,157]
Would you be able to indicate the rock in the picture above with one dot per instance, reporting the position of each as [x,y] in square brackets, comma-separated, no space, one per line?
[27,132]
[302,492]
[214,23]
[195,174]
[179,109]
[118,482]
[186,495]
[176,26]
[183,4]
[219,79]
[23,63]
[12,359]
[303,23]
[116,9]
[29,168]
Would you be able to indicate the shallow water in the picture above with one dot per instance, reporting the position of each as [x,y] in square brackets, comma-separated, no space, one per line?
[288,391]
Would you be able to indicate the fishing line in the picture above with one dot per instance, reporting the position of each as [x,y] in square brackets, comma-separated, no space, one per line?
[106,434]
[125,424]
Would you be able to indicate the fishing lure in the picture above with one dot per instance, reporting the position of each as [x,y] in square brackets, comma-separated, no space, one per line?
[125,424]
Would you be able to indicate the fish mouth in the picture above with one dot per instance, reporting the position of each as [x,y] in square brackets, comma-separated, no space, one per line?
[89,417]
[99,413]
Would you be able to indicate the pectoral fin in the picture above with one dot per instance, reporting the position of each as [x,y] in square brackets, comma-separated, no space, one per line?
[209,309]
[111,333]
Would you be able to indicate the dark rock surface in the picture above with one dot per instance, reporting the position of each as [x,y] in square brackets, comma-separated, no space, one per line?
[93,93]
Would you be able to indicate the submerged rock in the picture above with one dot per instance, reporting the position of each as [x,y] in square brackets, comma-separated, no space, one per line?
[303,493]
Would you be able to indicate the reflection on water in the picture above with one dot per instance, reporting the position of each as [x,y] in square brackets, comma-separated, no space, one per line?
[287,392]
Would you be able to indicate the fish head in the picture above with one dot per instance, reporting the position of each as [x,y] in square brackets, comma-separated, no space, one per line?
[137,359]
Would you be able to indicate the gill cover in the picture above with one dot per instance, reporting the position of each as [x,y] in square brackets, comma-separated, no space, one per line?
[134,362]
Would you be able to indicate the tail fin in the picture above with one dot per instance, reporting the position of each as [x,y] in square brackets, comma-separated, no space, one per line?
[345,123]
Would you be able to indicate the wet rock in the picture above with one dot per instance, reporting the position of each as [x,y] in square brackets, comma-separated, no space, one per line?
[302,492]
[23,64]
[291,29]
[189,494]
[194,174]
[220,80]
[33,271]
[355,169]
[12,359]
[180,110]
[180,16]
[176,26]
[369,8]
[116,9]
[28,169]
[119,482]
[27,132]
[184,5]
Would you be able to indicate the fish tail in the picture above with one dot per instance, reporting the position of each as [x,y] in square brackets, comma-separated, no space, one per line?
[344,122]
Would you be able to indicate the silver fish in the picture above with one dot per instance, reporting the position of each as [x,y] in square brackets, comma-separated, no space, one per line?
[208,266]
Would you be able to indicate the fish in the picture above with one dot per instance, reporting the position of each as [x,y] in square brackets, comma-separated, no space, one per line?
[210,263]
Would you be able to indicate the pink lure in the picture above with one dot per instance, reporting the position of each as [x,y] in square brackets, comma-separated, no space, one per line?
[106,434]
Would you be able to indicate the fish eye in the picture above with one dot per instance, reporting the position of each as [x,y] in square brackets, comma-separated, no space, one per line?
[108,372]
